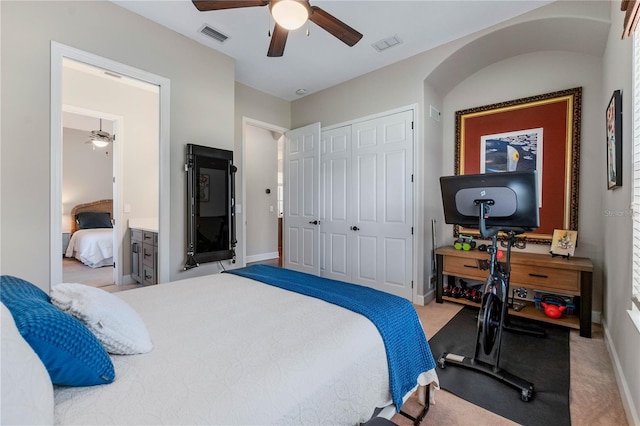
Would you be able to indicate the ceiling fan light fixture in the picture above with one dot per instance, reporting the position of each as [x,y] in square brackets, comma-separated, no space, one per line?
[99,143]
[100,138]
[289,14]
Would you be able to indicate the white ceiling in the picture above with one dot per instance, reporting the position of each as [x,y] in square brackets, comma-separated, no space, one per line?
[320,60]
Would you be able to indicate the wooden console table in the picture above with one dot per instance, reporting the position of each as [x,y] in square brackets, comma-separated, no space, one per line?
[542,272]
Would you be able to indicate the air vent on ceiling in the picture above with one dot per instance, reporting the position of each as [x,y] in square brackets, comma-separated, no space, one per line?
[386,43]
[213,33]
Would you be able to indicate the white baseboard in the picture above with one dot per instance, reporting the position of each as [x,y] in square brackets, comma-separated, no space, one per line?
[627,402]
[261,257]
[423,299]
[126,279]
[596,316]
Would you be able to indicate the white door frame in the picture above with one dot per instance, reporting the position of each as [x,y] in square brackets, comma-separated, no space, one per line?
[246,121]
[58,53]
[418,213]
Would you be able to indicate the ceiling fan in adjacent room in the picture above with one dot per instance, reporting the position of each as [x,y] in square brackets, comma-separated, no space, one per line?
[289,15]
[100,138]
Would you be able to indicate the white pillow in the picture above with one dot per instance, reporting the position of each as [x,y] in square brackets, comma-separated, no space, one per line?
[116,324]
[27,392]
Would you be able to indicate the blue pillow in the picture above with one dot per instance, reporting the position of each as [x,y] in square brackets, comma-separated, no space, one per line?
[14,290]
[72,355]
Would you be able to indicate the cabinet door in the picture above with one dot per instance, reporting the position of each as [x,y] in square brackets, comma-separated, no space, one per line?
[136,255]
[147,254]
[136,248]
[148,275]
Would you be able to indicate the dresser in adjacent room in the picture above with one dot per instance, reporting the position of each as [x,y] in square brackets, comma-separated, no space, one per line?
[144,255]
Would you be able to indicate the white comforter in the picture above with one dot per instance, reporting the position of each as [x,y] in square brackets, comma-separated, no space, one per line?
[229,350]
[93,247]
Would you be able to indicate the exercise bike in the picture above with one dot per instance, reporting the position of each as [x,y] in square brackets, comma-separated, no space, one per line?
[493,315]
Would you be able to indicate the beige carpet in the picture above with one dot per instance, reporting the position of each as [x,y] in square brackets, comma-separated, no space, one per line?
[594,397]
[74,271]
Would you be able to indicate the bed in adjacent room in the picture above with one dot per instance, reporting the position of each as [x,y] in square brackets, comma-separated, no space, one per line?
[91,239]
[258,345]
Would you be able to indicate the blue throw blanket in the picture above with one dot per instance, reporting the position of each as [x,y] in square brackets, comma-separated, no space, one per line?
[408,353]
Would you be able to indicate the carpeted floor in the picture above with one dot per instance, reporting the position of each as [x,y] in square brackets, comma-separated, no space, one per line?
[594,396]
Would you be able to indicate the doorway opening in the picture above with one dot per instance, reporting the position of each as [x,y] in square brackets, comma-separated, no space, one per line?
[89,255]
[262,181]
[59,100]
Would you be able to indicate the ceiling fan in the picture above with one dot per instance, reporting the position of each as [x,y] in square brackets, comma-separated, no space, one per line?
[100,138]
[289,15]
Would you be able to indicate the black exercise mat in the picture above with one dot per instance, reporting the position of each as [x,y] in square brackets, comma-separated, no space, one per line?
[541,361]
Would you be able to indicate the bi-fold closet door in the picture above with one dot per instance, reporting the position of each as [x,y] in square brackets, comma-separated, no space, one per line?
[366,203]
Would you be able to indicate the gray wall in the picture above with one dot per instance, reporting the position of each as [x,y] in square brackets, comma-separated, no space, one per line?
[433,77]
[202,112]
[258,107]
[87,174]
[615,217]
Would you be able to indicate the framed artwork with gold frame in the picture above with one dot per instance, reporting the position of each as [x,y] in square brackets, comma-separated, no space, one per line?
[490,138]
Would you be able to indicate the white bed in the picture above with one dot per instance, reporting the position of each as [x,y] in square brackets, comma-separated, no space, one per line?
[93,246]
[230,350]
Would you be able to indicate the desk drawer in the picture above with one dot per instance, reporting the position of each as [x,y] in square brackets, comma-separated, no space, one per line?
[561,280]
[463,267]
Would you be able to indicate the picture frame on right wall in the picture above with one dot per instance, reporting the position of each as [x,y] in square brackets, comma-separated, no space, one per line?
[614,141]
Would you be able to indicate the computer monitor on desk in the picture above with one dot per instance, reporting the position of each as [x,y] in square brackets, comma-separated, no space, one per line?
[510,200]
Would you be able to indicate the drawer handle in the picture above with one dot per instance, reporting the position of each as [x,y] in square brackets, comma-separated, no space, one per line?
[538,275]
[471,266]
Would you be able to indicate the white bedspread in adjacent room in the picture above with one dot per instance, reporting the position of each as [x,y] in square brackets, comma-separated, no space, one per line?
[229,350]
[93,247]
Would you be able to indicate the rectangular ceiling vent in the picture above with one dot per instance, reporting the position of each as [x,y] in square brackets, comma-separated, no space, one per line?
[213,33]
[386,43]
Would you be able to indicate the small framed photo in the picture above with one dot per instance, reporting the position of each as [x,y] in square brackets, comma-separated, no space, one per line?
[564,242]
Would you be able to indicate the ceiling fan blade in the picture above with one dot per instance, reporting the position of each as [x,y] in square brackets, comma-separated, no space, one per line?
[206,5]
[334,26]
[278,40]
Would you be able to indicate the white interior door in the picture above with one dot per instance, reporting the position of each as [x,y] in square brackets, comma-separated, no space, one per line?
[301,221]
[335,204]
[382,195]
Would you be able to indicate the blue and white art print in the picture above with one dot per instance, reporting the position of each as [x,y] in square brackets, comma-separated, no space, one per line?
[519,151]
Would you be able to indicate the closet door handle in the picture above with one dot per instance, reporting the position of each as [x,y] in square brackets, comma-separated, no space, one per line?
[314,222]
[354,228]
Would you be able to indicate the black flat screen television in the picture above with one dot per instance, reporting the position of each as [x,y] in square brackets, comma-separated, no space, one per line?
[210,205]
[511,199]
